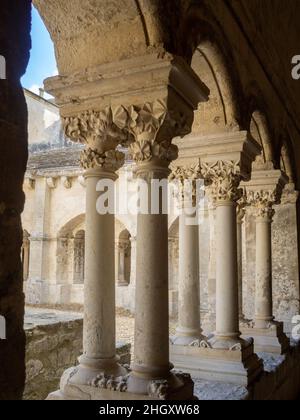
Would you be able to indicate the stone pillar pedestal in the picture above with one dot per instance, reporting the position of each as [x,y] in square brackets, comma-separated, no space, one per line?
[263,191]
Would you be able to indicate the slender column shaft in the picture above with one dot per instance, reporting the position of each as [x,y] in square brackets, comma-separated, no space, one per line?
[189,294]
[151,358]
[240,264]
[99,316]
[99,332]
[211,286]
[263,296]
[227,321]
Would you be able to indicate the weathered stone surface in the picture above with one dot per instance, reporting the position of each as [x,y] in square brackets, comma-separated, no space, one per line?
[14,46]
[50,350]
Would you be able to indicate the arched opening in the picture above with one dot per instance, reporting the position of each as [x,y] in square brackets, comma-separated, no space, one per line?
[259,130]
[221,112]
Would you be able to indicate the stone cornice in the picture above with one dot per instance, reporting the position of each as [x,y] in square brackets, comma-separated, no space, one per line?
[238,146]
[264,190]
[127,83]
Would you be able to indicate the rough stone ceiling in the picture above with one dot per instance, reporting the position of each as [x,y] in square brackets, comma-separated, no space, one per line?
[272,29]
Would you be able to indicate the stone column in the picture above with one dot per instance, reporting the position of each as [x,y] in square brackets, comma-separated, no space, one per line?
[100,161]
[173,93]
[188,331]
[263,295]
[225,178]
[263,191]
[241,211]
[209,324]
[153,154]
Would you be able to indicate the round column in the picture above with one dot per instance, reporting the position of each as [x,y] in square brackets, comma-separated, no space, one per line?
[99,331]
[263,296]
[224,179]
[240,221]
[188,329]
[227,319]
[151,358]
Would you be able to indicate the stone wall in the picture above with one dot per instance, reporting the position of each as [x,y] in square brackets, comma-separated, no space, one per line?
[14,46]
[50,350]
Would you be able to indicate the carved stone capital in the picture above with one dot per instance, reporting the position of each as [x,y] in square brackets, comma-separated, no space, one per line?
[262,202]
[223,178]
[96,130]
[186,177]
[111,160]
[153,126]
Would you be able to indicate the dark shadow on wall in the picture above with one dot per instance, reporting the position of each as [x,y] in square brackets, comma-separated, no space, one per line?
[14,46]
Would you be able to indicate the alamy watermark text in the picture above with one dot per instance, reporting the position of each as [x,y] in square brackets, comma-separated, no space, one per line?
[296,67]
[2,328]
[2,68]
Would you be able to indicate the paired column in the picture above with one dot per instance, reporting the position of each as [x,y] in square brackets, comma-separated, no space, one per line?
[188,331]
[100,161]
[263,202]
[153,153]
[263,191]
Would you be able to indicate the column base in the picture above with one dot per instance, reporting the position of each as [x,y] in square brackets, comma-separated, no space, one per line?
[209,324]
[178,386]
[89,368]
[181,339]
[267,340]
[240,365]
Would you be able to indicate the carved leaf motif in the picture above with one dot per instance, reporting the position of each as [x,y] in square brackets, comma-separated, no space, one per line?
[263,202]
[95,129]
[224,178]
[111,160]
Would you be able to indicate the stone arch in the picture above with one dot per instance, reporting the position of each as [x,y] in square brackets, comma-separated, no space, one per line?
[220,112]
[65,258]
[287,160]
[202,33]
[71,225]
[260,131]
[123,28]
